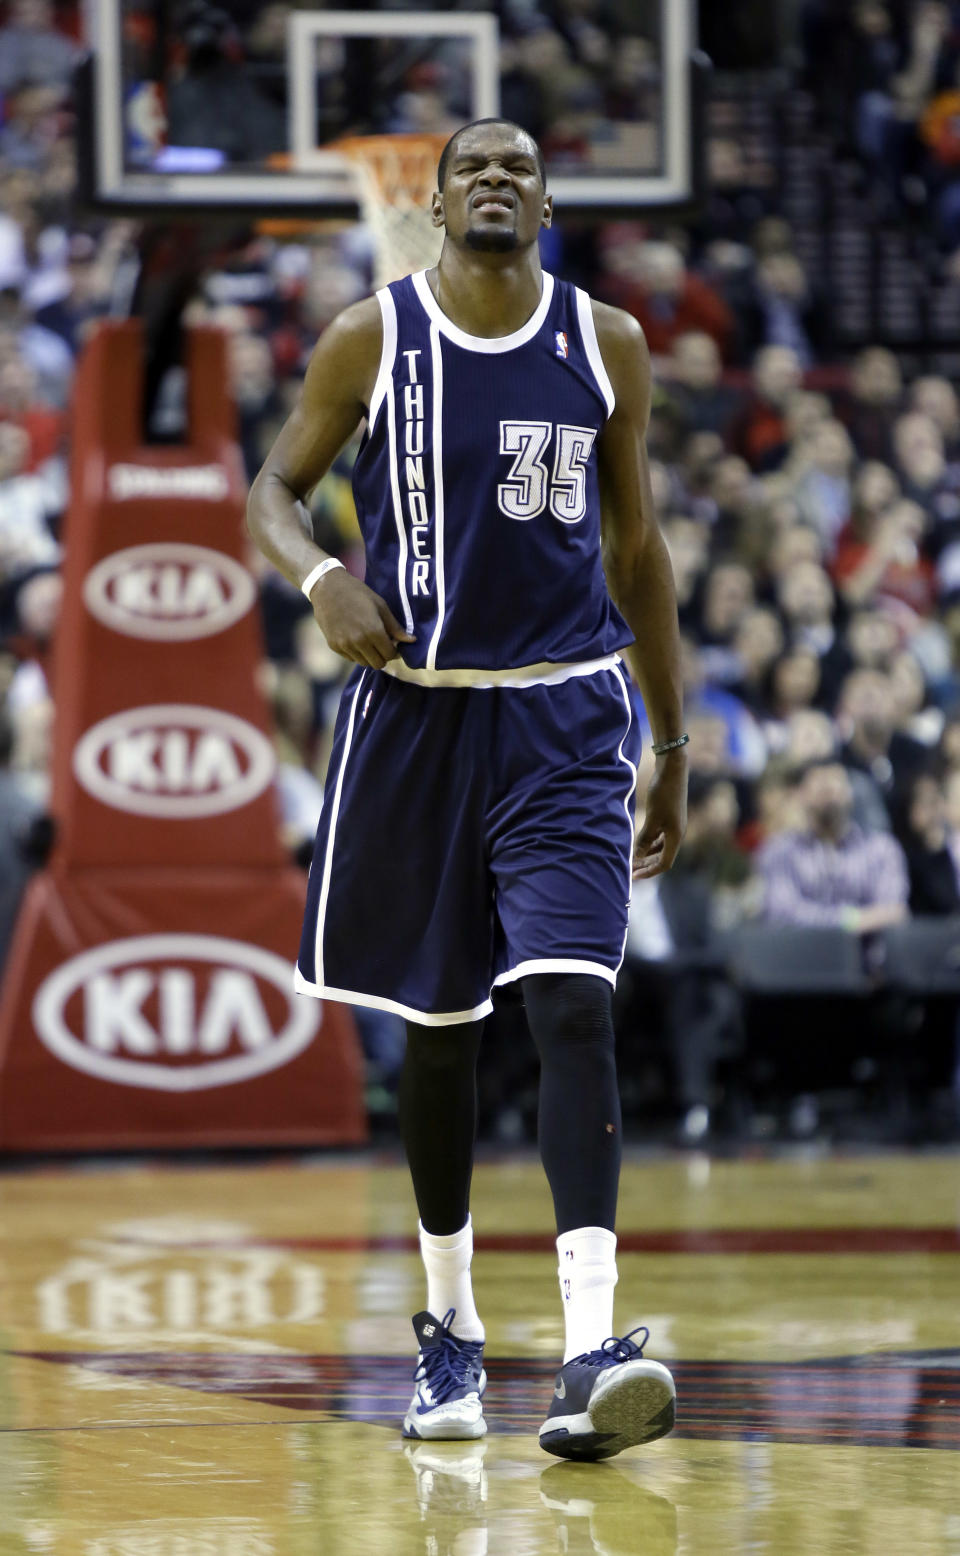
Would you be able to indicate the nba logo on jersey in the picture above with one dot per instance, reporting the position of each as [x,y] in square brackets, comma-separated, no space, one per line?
[563,348]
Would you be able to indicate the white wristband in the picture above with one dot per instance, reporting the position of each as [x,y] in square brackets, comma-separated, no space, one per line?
[316,573]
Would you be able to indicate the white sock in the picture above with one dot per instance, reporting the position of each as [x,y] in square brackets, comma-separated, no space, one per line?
[588,1274]
[447,1263]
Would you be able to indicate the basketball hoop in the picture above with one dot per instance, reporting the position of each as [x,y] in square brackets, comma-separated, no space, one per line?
[397,175]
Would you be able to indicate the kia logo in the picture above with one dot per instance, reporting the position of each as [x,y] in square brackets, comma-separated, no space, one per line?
[174,1012]
[168,593]
[174,760]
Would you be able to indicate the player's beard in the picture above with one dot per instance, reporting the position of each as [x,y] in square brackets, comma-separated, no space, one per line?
[493,240]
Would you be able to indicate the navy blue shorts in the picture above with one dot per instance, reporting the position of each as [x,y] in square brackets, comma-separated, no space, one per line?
[469,837]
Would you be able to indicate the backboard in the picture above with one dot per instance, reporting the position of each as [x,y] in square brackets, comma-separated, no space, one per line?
[240,108]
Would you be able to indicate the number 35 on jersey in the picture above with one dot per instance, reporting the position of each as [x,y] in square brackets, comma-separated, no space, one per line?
[549,469]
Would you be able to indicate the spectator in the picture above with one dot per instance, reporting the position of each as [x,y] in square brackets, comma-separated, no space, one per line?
[922,465]
[948,751]
[727,595]
[35,606]
[46,353]
[731,487]
[688,543]
[931,865]
[810,737]
[675,926]
[879,558]
[913,713]
[823,490]
[792,544]
[950,782]
[32,123]
[777,806]
[886,759]
[757,644]
[875,488]
[871,639]
[871,407]
[784,311]
[905,78]
[793,683]
[936,397]
[252,383]
[21,405]
[805,413]
[32,51]
[82,293]
[15,215]
[299,793]
[743,747]
[760,432]
[19,809]
[806,600]
[828,870]
[699,456]
[653,283]
[27,505]
[694,374]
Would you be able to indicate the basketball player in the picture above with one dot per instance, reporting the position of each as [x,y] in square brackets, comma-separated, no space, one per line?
[477,825]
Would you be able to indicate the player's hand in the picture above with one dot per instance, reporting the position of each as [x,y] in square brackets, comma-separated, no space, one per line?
[665,819]
[881,916]
[357,623]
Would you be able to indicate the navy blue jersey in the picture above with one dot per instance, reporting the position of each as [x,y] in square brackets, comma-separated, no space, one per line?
[476,485]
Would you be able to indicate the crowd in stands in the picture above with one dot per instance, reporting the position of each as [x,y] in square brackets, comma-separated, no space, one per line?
[888,75]
[810,504]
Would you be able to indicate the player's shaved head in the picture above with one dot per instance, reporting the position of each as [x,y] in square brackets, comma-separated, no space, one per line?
[451,147]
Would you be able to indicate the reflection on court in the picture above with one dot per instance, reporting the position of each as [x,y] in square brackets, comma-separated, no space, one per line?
[206,1362]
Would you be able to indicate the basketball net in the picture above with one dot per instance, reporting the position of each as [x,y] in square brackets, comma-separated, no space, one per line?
[396,175]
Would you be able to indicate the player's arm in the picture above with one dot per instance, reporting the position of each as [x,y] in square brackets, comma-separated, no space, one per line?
[640,580]
[336,393]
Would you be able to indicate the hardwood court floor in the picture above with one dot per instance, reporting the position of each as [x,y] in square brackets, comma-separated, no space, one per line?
[214,1362]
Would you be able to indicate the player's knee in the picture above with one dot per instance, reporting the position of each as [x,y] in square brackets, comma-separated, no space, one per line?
[569,1009]
[439,1048]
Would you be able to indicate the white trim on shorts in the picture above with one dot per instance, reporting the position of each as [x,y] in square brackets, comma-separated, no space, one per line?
[331,835]
[426,1018]
[517,677]
[552,964]
[629,805]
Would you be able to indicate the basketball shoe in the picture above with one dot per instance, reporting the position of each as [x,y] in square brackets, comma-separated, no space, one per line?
[602,1511]
[450,1382]
[607,1400]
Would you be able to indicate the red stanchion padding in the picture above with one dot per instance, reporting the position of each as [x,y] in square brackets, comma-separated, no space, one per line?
[148,994]
[158,1010]
[162,753]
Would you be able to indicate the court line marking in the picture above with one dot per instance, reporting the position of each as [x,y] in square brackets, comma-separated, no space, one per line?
[189,1426]
[724,1240]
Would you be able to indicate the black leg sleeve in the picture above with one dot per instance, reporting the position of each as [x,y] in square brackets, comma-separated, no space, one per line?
[438,1120]
[579,1117]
